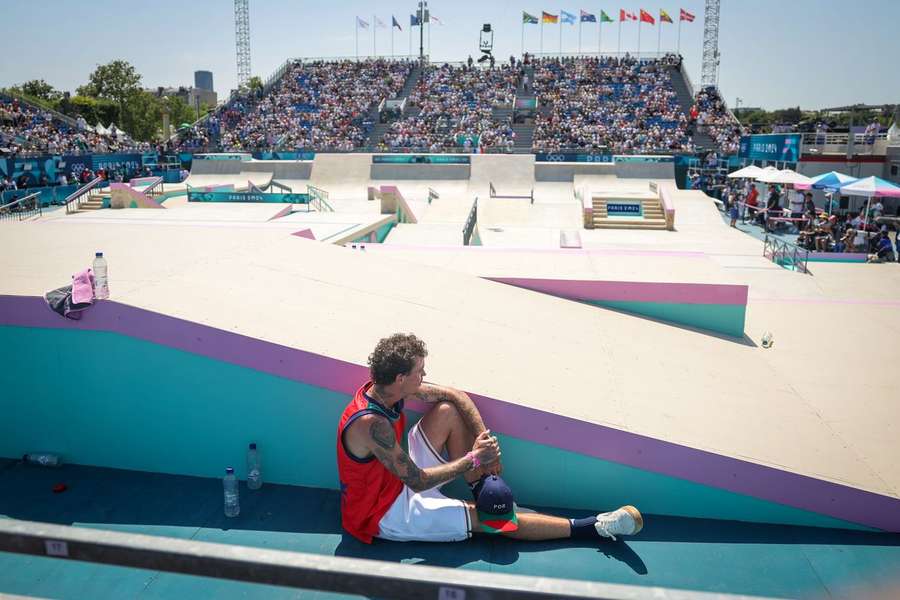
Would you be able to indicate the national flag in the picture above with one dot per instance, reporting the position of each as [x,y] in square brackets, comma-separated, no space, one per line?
[626,16]
[529,19]
[548,18]
[604,18]
[664,17]
[686,16]
[414,21]
[434,19]
[379,23]
[361,23]
[394,23]
[587,17]
[567,17]
[647,17]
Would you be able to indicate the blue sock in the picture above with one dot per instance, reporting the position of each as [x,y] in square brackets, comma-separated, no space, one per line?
[583,528]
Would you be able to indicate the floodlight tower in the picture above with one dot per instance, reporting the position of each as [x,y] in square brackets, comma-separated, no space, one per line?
[709,75]
[242,40]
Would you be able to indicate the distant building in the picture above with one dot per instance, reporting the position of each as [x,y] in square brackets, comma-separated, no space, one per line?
[203,80]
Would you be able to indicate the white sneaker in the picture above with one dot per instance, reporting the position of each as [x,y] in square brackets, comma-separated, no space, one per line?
[623,521]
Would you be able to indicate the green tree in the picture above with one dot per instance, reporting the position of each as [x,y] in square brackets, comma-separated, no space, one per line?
[38,88]
[255,85]
[116,81]
[94,110]
[142,115]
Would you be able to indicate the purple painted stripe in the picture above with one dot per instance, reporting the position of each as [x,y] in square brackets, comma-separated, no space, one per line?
[634,291]
[642,452]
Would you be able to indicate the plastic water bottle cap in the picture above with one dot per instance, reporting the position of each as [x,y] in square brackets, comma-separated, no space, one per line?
[98,254]
[253,446]
[229,471]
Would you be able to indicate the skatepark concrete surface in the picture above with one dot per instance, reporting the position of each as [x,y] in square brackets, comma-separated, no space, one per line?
[821,403]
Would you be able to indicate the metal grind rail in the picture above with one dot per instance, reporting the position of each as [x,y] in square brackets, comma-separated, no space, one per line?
[22,209]
[74,200]
[471,221]
[369,578]
[785,254]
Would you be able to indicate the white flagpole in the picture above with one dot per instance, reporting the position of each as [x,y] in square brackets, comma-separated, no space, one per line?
[560,33]
[619,47]
[679,35]
[542,34]
[374,33]
[599,39]
[659,38]
[410,41]
[392,37]
[639,41]
[579,35]
[357,38]
[523,37]
[429,39]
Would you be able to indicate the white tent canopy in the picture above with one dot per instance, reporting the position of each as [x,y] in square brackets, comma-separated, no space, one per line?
[785,176]
[750,172]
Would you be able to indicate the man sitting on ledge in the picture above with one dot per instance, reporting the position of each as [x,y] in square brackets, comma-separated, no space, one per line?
[391,494]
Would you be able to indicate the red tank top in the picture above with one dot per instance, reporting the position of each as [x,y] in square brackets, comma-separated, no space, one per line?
[367,488]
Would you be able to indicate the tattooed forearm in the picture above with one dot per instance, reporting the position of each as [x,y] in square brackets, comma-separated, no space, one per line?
[400,464]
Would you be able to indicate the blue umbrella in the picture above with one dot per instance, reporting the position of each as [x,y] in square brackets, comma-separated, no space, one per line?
[832,181]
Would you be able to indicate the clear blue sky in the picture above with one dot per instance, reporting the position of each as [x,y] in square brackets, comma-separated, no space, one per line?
[812,53]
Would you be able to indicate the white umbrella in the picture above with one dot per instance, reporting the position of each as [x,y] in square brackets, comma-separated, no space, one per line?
[750,172]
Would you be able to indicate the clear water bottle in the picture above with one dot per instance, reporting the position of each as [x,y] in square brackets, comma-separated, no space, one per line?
[254,476]
[101,283]
[42,459]
[232,502]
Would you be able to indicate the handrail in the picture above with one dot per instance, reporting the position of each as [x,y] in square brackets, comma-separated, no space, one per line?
[7,212]
[471,221]
[786,254]
[76,196]
[318,198]
[151,190]
[340,574]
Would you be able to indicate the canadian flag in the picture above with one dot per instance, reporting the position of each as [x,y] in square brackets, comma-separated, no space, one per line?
[647,17]
[686,16]
[626,16]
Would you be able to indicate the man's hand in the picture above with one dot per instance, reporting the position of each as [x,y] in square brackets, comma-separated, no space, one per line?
[486,448]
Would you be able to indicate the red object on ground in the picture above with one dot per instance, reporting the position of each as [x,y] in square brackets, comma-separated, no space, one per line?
[59,488]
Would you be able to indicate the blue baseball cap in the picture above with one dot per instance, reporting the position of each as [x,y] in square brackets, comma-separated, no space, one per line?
[496,506]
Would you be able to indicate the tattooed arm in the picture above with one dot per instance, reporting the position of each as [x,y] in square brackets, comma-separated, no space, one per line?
[383,444]
[431,393]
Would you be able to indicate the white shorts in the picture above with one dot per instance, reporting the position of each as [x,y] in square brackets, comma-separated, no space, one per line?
[427,516]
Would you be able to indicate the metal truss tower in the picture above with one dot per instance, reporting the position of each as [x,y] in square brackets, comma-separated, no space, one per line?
[709,75]
[242,40]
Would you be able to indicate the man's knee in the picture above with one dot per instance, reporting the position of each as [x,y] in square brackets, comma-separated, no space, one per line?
[444,411]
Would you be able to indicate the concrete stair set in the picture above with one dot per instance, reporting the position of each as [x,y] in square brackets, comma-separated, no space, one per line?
[653,216]
[686,101]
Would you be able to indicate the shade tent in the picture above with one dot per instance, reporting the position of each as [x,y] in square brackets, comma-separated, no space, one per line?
[871,187]
[750,172]
[832,181]
[785,176]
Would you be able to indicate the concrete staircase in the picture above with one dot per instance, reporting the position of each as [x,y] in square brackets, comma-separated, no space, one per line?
[524,133]
[653,216]
[376,134]
[685,100]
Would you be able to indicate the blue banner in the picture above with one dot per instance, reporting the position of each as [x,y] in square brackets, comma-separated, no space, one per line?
[247,197]
[114,162]
[623,209]
[572,157]
[774,147]
[268,155]
[431,159]
[643,159]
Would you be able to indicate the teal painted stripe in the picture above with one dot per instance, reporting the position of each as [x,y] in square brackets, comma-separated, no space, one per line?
[722,318]
[121,402]
[126,403]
